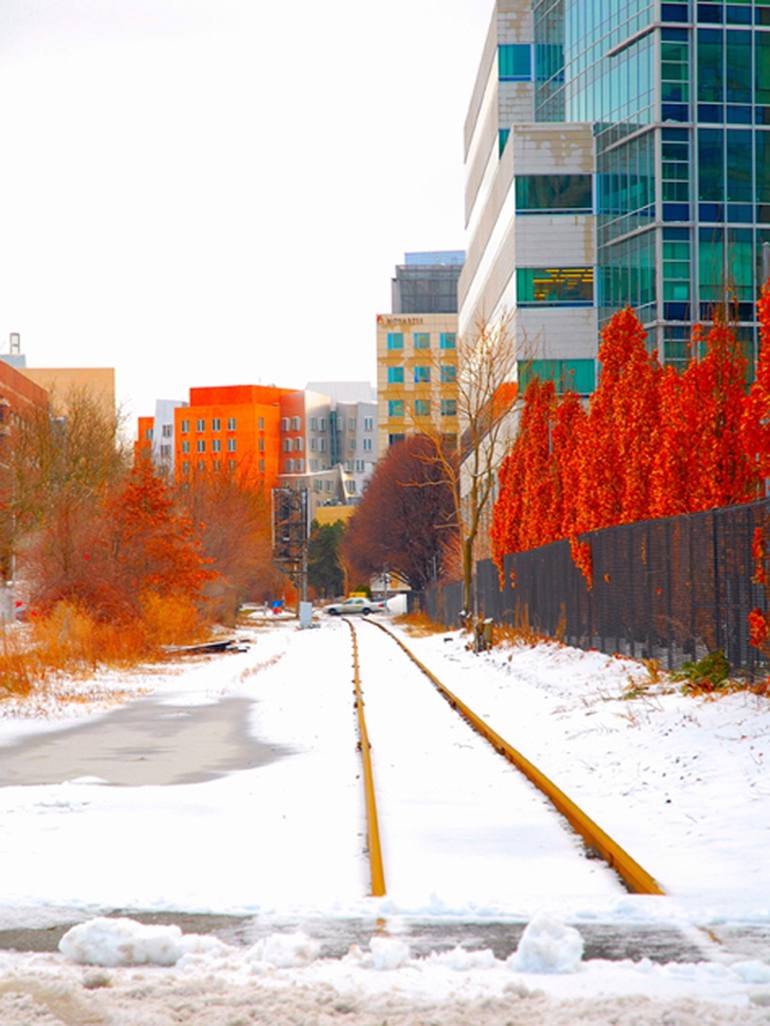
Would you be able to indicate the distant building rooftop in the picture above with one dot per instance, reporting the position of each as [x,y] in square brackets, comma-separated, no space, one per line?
[453,257]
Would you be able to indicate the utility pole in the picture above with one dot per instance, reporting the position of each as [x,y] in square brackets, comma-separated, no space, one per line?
[290,536]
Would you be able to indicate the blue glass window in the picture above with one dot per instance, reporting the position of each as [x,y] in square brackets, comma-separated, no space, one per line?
[503,134]
[448,407]
[395,407]
[422,407]
[674,12]
[395,340]
[568,375]
[548,194]
[554,286]
[421,375]
[395,375]
[448,373]
[515,62]
[395,439]
[447,340]
[421,339]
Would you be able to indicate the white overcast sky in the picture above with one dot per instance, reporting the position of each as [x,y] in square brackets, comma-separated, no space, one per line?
[216,191]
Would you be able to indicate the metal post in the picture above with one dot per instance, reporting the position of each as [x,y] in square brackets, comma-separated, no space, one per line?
[765,262]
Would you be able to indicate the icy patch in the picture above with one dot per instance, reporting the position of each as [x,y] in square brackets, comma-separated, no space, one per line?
[548,946]
[752,972]
[284,950]
[462,961]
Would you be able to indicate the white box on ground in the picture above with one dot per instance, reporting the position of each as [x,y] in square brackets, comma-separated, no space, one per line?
[306,614]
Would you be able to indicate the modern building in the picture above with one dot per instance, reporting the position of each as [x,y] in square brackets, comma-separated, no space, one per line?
[417,350]
[63,383]
[617,153]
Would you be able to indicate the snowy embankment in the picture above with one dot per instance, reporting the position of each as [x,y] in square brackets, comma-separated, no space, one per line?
[679,782]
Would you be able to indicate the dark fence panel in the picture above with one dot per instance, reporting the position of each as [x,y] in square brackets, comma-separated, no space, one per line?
[671,589]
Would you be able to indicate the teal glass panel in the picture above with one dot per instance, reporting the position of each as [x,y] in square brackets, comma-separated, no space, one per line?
[422,407]
[502,139]
[395,340]
[395,375]
[740,264]
[710,66]
[448,373]
[421,375]
[762,144]
[739,167]
[395,407]
[738,67]
[567,375]
[762,67]
[554,193]
[711,270]
[421,339]
[515,62]
[447,340]
[555,286]
[448,407]
[711,165]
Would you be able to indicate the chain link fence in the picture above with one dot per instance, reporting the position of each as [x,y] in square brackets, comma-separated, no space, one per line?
[672,589]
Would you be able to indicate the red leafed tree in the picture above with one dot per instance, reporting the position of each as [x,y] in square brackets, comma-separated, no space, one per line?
[105,555]
[755,422]
[405,523]
[567,439]
[672,460]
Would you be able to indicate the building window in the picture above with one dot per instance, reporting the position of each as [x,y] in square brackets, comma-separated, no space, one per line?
[200,424]
[422,408]
[351,423]
[448,373]
[395,407]
[201,467]
[289,466]
[395,375]
[216,445]
[448,407]
[165,452]
[313,444]
[314,466]
[200,445]
[514,62]
[447,340]
[395,439]
[185,467]
[554,194]
[421,340]
[318,486]
[148,434]
[395,340]
[231,423]
[231,445]
[216,424]
[261,466]
[286,445]
[328,486]
[352,445]
[167,430]
[314,423]
[368,423]
[568,375]
[185,426]
[349,466]
[351,487]
[299,466]
[554,286]
[421,375]
[296,423]
[359,466]
[299,444]
[232,465]
[322,424]
[284,423]
[216,466]
[261,444]
[367,445]
[185,445]
[322,445]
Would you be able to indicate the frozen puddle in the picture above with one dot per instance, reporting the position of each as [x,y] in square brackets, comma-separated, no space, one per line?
[147,742]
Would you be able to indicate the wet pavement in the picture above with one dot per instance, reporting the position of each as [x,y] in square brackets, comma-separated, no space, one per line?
[146,742]
[610,941]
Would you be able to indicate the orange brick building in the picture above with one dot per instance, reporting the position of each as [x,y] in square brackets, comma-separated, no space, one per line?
[19,398]
[230,428]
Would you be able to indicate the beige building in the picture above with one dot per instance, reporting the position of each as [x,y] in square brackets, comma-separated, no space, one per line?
[63,382]
[416,376]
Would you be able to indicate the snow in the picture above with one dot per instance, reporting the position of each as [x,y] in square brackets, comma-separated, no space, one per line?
[680,783]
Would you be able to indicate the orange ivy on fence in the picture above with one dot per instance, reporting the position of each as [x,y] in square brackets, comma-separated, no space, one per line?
[653,442]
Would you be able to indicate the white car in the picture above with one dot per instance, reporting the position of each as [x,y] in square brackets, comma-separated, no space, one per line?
[365,606]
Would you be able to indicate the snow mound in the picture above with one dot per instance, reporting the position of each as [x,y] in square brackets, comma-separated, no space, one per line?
[113,942]
[388,953]
[283,950]
[461,960]
[548,946]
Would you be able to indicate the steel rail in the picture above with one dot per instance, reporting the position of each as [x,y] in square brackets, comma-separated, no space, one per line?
[637,879]
[376,871]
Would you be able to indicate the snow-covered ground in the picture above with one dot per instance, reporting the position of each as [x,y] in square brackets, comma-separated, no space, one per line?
[680,783]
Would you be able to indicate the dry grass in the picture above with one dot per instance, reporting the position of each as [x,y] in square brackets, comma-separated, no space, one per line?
[70,642]
[419,625]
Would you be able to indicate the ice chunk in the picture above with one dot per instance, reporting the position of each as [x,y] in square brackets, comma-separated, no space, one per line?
[548,946]
[388,953]
[112,942]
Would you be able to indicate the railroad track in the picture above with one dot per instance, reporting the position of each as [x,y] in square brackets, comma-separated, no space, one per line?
[596,841]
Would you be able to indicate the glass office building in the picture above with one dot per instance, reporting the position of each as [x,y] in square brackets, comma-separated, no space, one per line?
[679,98]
